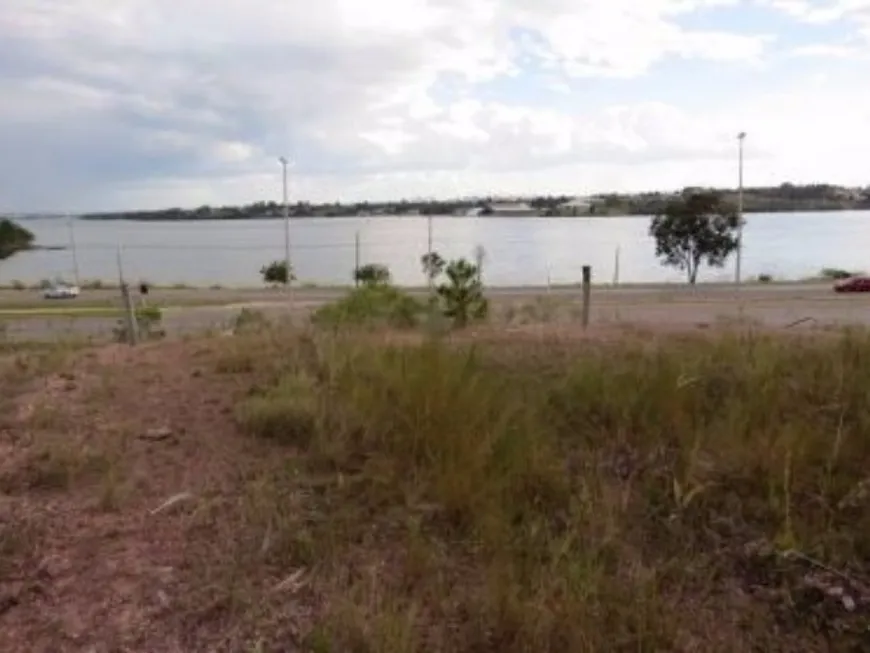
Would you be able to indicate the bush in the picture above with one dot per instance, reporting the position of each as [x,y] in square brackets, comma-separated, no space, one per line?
[378,305]
[765,278]
[461,295]
[276,273]
[372,274]
[248,319]
[837,273]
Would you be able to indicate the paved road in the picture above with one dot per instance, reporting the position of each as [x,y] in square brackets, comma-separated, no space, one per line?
[771,305]
[10,299]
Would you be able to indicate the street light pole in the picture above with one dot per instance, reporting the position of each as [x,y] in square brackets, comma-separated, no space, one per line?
[286,210]
[740,138]
[72,243]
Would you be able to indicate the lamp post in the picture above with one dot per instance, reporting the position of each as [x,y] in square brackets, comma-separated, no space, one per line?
[286,210]
[740,138]
[72,244]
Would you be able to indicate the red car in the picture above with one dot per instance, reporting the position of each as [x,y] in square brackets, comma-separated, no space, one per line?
[853,284]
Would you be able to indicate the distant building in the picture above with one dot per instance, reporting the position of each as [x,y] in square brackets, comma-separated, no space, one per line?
[576,206]
[512,209]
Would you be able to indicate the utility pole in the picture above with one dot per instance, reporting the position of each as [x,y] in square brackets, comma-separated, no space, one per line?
[616,267]
[740,138]
[286,209]
[72,244]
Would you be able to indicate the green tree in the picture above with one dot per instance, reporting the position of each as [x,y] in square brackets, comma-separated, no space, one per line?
[276,272]
[372,274]
[462,294]
[13,238]
[433,265]
[694,228]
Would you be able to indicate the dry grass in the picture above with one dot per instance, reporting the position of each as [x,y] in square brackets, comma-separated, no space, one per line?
[349,492]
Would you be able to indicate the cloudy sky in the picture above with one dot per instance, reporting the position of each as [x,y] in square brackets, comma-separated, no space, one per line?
[150,103]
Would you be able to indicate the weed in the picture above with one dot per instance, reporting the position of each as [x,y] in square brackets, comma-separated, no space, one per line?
[148,323]
[286,413]
[248,319]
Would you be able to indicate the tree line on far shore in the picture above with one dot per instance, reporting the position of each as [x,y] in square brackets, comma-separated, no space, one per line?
[782,198]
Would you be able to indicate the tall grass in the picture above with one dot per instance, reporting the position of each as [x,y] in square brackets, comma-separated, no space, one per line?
[693,494]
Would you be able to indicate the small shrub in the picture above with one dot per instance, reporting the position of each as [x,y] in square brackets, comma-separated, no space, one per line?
[372,274]
[18,285]
[765,278]
[461,295]
[248,319]
[377,305]
[276,273]
[837,273]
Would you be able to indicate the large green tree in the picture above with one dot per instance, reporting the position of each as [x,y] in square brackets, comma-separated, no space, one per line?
[13,238]
[694,228]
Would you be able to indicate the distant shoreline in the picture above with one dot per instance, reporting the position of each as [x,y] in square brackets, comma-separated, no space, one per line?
[784,198]
[599,216]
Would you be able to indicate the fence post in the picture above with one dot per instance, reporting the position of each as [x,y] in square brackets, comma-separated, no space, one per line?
[587,291]
[129,309]
[130,315]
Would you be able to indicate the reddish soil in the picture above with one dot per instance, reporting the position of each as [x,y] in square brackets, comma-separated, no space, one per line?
[85,565]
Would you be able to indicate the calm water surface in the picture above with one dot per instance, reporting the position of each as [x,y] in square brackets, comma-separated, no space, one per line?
[519,251]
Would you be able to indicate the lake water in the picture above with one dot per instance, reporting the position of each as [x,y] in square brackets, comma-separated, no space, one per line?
[519,251]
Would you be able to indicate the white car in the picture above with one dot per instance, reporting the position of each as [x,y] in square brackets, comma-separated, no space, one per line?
[61,291]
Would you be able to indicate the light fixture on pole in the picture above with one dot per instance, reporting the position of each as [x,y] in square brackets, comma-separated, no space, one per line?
[740,138]
[286,212]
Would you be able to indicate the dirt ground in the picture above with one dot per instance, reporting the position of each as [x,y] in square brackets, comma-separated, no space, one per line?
[88,559]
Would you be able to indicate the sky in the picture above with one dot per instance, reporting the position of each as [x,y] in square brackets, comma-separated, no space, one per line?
[154,103]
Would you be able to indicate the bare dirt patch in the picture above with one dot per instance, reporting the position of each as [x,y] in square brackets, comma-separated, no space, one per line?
[89,454]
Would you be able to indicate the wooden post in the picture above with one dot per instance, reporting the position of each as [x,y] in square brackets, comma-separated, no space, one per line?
[587,291]
[130,313]
[129,309]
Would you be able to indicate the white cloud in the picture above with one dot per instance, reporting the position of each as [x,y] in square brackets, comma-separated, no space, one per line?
[168,102]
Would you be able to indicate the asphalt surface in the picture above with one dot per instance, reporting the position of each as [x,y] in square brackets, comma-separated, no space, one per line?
[769,305]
